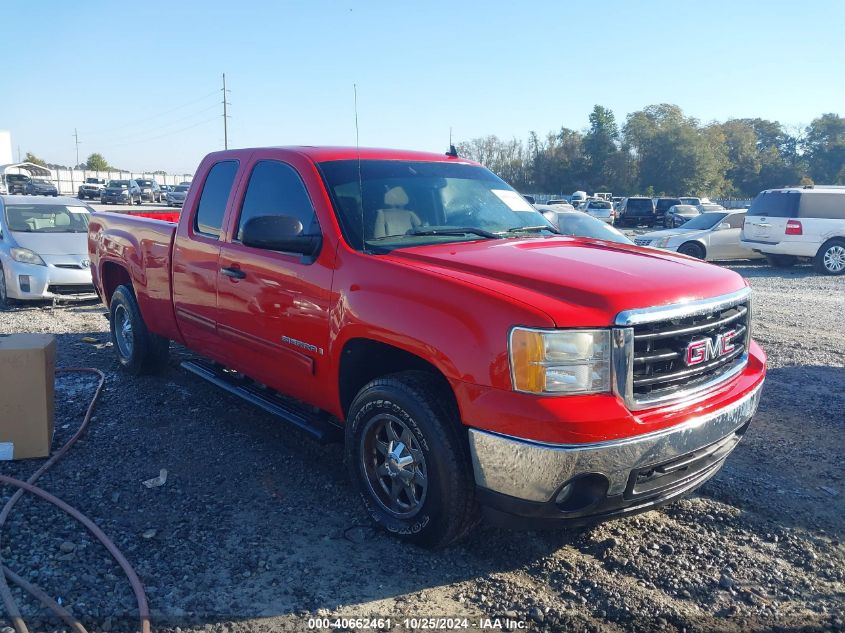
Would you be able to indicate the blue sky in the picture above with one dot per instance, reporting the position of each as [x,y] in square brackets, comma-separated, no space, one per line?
[140,84]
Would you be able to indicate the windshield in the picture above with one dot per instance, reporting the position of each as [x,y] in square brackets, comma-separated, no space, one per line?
[585,226]
[145,183]
[685,209]
[118,184]
[41,181]
[704,221]
[94,181]
[599,204]
[690,200]
[180,188]
[396,204]
[47,218]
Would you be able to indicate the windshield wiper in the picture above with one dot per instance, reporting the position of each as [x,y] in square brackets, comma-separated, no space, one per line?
[456,230]
[533,229]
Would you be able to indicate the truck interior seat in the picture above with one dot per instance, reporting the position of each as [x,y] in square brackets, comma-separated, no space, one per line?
[394,219]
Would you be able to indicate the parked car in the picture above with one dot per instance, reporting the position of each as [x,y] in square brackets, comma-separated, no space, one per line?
[429,318]
[165,189]
[16,183]
[694,201]
[44,248]
[601,210]
[707,207]
[41,187]
[662,205]
[799,223]
[554,201]
[150,190]
[710,236]
[637,210]
[679,214]
[176,198]
[121,192]
[92,188]
[578,199]
[578,223]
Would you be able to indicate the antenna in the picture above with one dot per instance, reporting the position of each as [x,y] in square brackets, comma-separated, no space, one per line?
[225,115]
[360,177]
[452,151]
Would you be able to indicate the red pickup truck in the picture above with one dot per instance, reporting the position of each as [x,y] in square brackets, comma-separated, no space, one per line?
[420,309]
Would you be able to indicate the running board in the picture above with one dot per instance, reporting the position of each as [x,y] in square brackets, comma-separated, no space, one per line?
[319,425]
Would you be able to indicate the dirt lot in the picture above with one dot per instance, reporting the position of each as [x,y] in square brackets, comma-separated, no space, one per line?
[257,528]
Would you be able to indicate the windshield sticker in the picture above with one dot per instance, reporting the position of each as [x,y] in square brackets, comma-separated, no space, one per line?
[514,201]
[77,209]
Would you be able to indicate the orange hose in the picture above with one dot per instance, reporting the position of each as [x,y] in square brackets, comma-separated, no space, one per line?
[8,599]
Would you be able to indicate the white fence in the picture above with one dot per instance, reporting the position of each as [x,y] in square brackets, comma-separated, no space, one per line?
[68,180]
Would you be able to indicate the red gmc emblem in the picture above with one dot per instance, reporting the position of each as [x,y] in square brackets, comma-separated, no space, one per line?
[705,349]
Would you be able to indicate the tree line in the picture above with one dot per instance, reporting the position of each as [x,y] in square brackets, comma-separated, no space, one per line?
[94,162]
[661,151]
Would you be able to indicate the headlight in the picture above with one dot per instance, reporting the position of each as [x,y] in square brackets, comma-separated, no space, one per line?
[560,361]
[26,256]
[662,242]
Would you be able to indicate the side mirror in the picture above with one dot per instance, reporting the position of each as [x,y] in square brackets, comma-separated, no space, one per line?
[280,233]
[722,226]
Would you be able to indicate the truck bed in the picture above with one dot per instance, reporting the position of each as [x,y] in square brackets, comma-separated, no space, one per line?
[127,248]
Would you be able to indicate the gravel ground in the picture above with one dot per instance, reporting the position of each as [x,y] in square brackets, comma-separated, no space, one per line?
[257,527]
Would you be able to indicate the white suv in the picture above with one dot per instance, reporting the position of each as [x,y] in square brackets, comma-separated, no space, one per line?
[785,224]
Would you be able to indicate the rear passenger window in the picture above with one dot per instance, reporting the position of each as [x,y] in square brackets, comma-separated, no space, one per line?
[215,193]
[824,206]
[776,204]
[276,189]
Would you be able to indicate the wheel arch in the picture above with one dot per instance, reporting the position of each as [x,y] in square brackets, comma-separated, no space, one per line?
[364,359]
[113,275]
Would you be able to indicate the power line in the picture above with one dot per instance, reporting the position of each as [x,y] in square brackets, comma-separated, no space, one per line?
[155,138]
[141,133]
[153,116]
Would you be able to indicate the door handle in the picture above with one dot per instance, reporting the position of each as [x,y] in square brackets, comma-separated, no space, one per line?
[234,272]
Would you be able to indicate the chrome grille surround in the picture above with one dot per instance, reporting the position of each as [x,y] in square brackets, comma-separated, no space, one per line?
[675,322]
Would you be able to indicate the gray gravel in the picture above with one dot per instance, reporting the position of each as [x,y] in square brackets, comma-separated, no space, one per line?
[257,528]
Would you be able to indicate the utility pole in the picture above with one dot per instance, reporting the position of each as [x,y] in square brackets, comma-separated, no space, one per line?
[225,116]
[76,137]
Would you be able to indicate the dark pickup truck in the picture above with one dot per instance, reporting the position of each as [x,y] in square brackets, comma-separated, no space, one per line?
[417,308]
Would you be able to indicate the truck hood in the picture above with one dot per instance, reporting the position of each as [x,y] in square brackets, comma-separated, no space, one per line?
[575,281]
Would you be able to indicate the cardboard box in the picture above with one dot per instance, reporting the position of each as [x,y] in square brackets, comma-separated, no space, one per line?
[27,372]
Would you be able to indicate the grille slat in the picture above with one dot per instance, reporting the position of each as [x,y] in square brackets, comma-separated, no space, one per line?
[660,350]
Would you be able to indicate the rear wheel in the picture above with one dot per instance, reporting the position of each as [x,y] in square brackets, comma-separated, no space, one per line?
[692,249]
[138,350]
[781,261]
[830,260]
[408,460]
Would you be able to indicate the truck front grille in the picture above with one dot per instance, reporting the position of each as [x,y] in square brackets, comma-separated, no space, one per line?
[675,351]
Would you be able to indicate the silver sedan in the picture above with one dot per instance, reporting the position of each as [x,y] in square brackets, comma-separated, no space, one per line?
[44,248]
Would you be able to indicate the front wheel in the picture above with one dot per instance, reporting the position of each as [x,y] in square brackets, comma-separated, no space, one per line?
[830,260]
[692,249]
[408,459]
[4,294]
[138,350]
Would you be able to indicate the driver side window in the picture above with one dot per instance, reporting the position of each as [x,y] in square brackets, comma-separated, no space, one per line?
[276,189]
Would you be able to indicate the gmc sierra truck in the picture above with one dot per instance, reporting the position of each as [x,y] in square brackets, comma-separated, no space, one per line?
[417,308]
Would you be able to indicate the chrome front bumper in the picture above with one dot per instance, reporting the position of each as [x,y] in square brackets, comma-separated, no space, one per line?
[536,472]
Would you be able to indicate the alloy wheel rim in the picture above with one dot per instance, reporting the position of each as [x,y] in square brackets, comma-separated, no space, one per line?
[834,259]
[123,332]
[394,465]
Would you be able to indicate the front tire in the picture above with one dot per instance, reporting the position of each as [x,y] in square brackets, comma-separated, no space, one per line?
[5,301]
[830,260]
[692,249]
[138,350]
[408,460]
